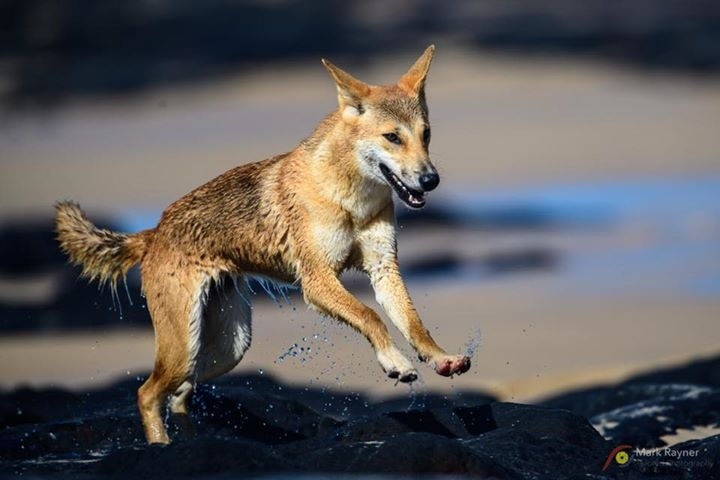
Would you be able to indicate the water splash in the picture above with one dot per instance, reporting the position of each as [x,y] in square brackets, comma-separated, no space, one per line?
[293,351]
[276,291]
[114,295]
[127,291]
[283,291]
[303,350]
[239,292]
[268,287]
[413,397]
[473,343]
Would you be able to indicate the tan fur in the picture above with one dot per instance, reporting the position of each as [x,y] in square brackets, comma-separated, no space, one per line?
[302,217]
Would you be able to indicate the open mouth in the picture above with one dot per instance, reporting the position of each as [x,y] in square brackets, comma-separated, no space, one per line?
[411,197]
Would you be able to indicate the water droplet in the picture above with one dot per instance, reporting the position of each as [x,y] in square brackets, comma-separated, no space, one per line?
[473,343]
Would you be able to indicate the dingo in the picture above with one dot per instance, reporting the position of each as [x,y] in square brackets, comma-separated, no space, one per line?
[301,218]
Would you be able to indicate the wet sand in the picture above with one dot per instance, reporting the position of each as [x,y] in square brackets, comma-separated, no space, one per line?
[496,122]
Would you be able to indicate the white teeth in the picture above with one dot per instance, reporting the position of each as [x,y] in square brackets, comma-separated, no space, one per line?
[407,195]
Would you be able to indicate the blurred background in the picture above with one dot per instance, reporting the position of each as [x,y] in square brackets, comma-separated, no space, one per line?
[575,237]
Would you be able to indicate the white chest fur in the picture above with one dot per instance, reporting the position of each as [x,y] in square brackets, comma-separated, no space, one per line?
[335,241]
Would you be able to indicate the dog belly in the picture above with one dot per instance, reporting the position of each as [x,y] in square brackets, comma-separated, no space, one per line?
[226,330]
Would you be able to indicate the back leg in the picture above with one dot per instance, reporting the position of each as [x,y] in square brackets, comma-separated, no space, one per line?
[179,406]
[227,327]
[179,400]
[176,301]
[224,339]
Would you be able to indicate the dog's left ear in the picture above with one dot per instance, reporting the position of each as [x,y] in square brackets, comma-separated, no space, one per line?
[351,91]
[414,79]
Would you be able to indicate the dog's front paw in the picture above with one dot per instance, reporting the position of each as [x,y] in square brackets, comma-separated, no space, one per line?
[397,366]
[450,365]
[407,376]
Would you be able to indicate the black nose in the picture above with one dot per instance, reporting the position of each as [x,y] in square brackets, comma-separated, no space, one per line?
[429,181]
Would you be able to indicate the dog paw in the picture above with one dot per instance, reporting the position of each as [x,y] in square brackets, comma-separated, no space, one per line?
[397,366]
[450,365]
[407,376]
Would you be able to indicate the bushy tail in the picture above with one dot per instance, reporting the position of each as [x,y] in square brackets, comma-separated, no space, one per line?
[104,255]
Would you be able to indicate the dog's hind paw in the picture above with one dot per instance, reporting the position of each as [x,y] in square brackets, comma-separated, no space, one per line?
[450,365]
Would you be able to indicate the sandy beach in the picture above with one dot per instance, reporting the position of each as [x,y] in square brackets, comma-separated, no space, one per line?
[532,345]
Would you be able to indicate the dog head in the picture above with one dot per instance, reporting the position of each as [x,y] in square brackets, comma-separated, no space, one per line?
[390,129]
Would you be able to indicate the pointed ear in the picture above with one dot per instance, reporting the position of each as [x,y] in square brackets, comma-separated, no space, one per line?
[351,91]
[414,79]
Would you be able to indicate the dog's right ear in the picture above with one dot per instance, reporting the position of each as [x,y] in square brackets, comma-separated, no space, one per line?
[351,91]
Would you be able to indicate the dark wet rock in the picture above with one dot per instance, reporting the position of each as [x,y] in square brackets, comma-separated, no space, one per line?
[703,461]
[247,424]
[384,425]
[657,384]
[260,417]
[320,399]
[640,413]
[592,401]
[694,459]
[536,442]
[699,372]
[489,431]
[476,420]
[204,455]
[30,405]
[388,424]
[535,455]
[116,427]
[406,453]
[647,415]
[435,414]
[645,422]
[542,422]
[422,401]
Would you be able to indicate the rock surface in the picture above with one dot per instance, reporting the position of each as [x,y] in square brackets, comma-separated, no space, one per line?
[253,425]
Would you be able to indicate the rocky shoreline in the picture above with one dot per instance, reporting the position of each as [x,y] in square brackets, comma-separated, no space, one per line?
[255,425]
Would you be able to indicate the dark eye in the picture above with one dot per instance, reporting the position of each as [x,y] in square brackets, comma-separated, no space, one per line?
[392,138]
[426,136]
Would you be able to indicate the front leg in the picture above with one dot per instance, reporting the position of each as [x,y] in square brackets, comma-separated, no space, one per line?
[380,262]
[390,292]
[323,291]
